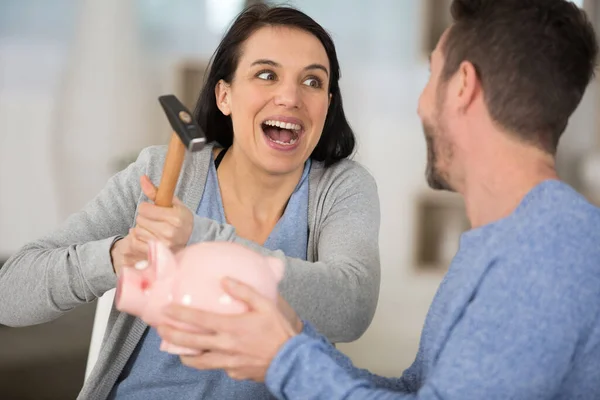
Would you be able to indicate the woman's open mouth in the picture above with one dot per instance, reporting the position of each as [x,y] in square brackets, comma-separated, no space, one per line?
[282,135]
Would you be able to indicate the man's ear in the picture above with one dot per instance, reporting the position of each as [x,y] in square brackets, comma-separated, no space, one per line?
[467,85]
[223,95]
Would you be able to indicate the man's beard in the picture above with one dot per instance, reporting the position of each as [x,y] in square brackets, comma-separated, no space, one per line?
[436,179]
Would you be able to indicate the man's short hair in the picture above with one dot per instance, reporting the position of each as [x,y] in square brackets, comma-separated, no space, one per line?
[534,58]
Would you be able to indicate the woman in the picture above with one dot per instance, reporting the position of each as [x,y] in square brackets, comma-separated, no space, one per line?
[275,177]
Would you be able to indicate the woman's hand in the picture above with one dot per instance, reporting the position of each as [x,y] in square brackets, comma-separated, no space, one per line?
[171,225]
[127,252]
[243,345]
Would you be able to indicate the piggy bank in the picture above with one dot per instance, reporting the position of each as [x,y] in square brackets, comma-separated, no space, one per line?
[194,277]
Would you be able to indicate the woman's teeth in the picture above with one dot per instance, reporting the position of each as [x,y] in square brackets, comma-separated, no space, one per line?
[291,142]
[283,125]
[282,133]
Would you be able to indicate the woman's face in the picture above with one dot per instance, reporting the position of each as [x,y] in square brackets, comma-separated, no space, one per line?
[278,98]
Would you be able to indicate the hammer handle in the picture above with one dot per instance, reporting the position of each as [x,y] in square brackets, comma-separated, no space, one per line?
[171,170]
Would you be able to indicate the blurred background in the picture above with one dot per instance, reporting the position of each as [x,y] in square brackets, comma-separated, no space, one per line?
[79,81]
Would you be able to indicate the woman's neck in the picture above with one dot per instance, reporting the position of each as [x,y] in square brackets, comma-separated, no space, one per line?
[260,195]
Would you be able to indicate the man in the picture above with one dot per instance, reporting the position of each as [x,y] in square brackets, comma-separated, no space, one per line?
[517,315]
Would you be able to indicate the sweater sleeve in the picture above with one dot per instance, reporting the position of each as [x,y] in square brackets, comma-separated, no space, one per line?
[507,344]
[306,368]
[71,265]
[339,292]
[398,385]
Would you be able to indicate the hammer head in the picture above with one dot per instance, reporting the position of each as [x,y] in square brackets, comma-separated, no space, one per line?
[192,137]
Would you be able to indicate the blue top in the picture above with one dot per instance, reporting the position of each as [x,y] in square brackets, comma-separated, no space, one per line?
[152,374]
[515,317]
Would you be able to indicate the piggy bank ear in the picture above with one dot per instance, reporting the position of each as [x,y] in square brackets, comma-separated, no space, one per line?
[277,266]
[160,258]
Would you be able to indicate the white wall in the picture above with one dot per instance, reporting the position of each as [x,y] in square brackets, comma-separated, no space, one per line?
[28,197]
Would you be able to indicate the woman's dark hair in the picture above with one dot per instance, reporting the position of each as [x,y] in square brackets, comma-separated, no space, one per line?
[337,140]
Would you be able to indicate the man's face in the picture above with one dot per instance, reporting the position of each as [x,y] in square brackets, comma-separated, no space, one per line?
[440,148]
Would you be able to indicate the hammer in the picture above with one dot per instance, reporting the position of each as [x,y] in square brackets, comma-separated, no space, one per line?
[186,135]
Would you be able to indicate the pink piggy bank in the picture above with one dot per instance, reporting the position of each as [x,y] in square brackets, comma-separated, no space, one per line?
[193,277]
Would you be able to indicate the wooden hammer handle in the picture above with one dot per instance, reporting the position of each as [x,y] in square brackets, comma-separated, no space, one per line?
[171,170]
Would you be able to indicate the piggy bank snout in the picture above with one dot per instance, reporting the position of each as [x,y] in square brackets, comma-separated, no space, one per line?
[131,291]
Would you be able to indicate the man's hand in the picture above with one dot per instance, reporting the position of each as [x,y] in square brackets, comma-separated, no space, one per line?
[243,345]
[290,314]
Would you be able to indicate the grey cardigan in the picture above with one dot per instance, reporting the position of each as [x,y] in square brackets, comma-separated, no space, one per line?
[336,289]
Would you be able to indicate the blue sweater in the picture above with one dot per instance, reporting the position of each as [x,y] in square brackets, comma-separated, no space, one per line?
[515,317]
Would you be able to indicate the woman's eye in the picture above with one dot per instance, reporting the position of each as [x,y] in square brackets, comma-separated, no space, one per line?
[313,82]
[266,75]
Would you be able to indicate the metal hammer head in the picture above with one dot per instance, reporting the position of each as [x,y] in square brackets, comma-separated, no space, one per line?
[182,122]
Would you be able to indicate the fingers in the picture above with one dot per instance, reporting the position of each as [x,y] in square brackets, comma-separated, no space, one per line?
[150,190]
[158,229]
[172,226]
[194,340]
[198,318]
[242,292]
[212,360]
[177,203]
[290,314]
[237,366]
[131,250]
[138,250]
[177,217]
[160,214]
[148,187]
[142,234]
